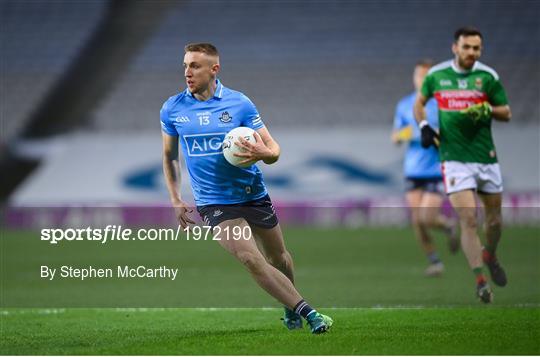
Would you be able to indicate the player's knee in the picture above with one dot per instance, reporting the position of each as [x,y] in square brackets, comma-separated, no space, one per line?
[280,260]
[428,216]
[415,219]
[494,222]
[424,219]
[252,261]
[469,222]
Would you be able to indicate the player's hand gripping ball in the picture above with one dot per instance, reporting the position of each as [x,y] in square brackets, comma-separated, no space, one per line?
[229,148]
[478,112]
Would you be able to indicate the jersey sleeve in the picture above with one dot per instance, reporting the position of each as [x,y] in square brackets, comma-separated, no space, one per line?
[432,113]
[427,86]
[399,121]
[250,115]
[496,93]
[166,125]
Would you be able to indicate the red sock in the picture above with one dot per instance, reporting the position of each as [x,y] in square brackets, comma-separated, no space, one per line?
[480,279]
[488,257]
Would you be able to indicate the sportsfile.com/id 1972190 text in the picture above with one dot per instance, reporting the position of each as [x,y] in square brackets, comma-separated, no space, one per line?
[119,233]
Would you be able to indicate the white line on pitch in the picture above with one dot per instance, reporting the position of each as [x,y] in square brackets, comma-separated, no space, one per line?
[52,311]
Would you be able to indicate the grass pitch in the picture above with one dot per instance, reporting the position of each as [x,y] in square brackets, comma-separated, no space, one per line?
[447,331]
[373,276]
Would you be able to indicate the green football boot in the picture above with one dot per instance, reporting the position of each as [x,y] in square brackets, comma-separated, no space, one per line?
[319,323]
[292,320]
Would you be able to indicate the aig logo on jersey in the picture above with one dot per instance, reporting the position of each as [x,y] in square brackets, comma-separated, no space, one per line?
[204,144]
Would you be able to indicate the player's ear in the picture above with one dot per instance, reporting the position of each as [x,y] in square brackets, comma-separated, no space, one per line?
[215,68]
[454,48]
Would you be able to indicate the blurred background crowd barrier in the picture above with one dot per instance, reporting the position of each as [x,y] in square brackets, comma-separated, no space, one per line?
[83,82]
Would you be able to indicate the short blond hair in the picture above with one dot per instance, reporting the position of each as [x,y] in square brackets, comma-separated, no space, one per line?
[207,48]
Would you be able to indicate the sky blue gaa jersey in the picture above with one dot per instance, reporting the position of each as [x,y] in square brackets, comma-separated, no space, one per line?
[419,162]
[201,127]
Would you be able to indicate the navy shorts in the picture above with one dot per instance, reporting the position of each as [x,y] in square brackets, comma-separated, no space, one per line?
[259,213]
[433,185]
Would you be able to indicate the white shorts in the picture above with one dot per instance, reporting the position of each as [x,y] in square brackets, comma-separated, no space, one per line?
[460,176]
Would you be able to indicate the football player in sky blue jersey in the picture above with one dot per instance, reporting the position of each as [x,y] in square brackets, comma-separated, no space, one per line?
[229,198]
[423,178]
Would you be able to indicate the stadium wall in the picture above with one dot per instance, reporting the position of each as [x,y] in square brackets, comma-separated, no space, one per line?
[333,177]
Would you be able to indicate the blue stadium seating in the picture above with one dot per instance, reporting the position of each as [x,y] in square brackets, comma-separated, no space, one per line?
[337,63]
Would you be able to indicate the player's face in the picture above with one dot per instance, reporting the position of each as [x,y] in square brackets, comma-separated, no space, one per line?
[467,50]
[419,74]
[200,70]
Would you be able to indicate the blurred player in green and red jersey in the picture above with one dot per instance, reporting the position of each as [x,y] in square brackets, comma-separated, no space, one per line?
[469,95]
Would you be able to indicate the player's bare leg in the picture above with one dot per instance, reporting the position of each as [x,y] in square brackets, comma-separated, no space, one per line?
[269,278]
[414,200]
[273,246]
[432,217]
[274,250]
[464,203]
[493,228]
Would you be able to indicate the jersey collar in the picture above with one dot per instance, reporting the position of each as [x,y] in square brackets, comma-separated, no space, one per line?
[463,71]
[217,94]
[219,90]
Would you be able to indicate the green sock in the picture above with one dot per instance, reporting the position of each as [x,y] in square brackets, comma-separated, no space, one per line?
[479,274]
[490,248]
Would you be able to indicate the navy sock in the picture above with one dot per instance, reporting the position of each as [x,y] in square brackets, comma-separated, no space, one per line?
[433,258]
[303,309]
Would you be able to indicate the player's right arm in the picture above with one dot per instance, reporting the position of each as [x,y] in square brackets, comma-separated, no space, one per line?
[428,136]
[171,171]
[171,165]
[420,108]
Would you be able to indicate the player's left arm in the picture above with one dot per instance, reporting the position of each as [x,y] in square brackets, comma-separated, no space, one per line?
[264,148]
[501,112]
[496,107]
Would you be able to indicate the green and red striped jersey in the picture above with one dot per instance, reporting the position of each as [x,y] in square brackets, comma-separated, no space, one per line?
[463,139]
